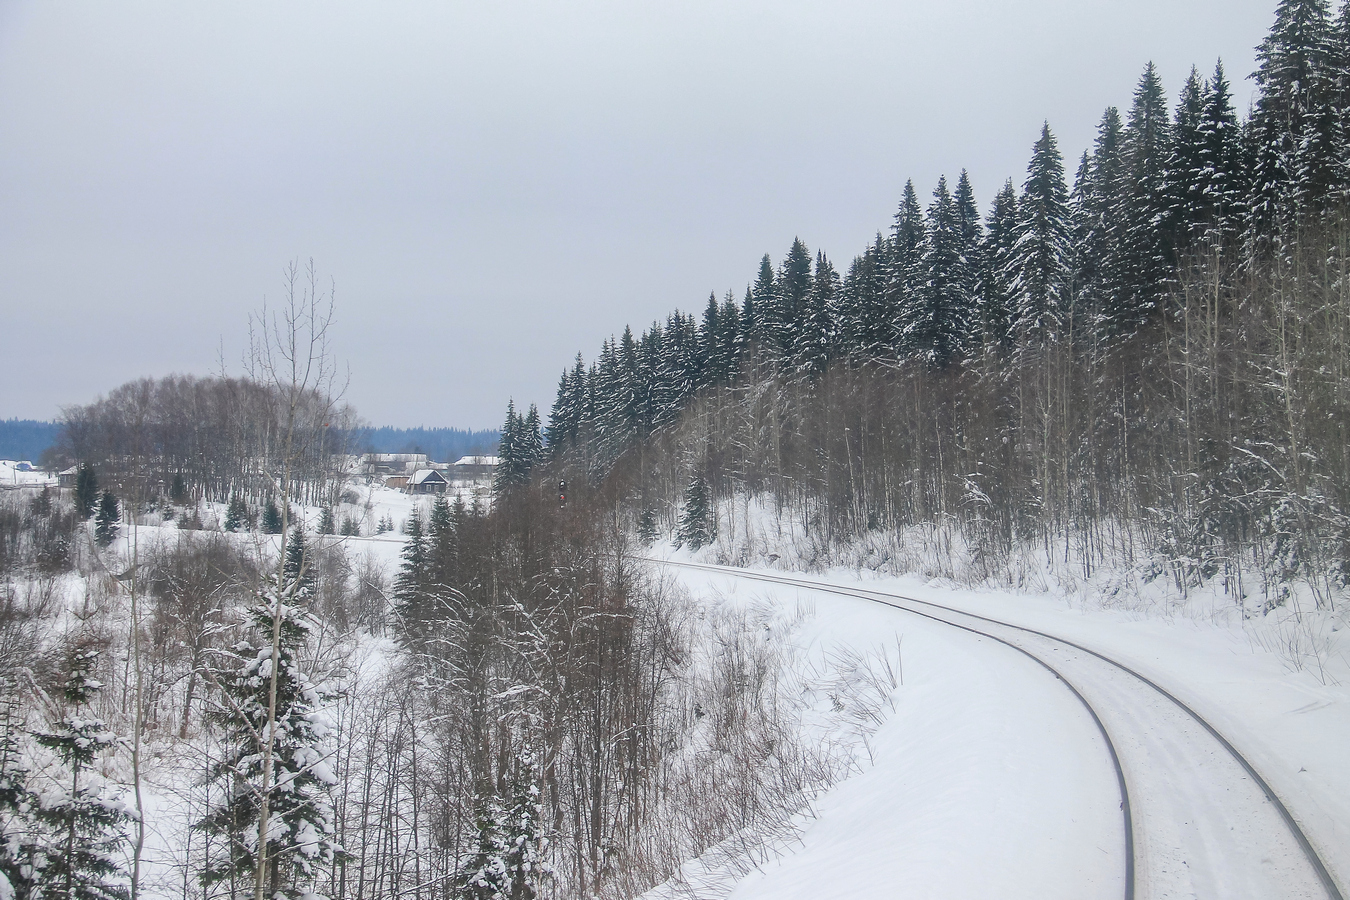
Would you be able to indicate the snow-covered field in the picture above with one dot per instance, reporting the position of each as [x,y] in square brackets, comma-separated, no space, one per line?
[21,473]
[990,779]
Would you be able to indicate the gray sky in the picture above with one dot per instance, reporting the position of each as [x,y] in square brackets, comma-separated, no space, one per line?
[494,186]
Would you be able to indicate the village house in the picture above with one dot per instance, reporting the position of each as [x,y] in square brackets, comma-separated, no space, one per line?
[427,481]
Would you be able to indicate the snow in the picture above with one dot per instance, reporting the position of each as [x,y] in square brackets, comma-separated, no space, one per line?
[22,473]
[990,779]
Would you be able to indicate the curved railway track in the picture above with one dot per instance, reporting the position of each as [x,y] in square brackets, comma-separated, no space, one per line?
[1158,745]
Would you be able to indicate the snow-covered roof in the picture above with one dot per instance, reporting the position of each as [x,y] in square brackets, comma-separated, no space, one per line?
[477,461]
[422,475]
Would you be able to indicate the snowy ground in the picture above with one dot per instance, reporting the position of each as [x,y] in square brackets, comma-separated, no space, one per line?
[988,779]
[991,780]
[14,474]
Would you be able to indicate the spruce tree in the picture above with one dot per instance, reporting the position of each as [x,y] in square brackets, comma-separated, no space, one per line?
[327,523]
[996,316]
[442,546]
[646,528]
[938,316]
[710,335]
[794,284]
[903,270]
[1293,125]
[761,306]
[816,333]
[484,875]
[108,521]
[1187,164]
[513,453]
[1145,246]
[411,600]
[696,525]
[86,491]
[971,231]
[84,821]
[1039,268]
[178,489]
[1224,178]
[298,567]
[236,514]
[1097,198]
[23,862]
[297,791]
[731,341]
[531,441]
[271,518]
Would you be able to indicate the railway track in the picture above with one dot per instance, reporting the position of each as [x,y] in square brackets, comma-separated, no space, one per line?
[1199,819]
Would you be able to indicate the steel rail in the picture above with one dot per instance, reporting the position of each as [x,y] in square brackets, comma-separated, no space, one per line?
[885,598]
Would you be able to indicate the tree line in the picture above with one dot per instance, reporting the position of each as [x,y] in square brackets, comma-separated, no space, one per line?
[1147,361]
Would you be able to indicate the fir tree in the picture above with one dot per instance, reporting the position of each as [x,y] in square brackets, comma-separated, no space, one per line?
[794,284]
[761,306]
[530,440]
[998,272]
[904,270]
[816,333]
[298,567]
[696,526]
[510,466]
[108,521]
[327,523]
[442,546]
[646,528]
[1145,261]
[297,791]
[236,514]
[938,315]
[505,863]
[23,862]
[86,491]
[1039,268]
[84,822]
[178,489]
[411,599]
[1293,126]
[1223,178]
[271,518]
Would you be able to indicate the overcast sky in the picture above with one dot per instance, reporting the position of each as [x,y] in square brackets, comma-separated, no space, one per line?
[494,186]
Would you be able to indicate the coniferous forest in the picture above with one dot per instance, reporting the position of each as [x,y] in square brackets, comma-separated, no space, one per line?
[1140,356]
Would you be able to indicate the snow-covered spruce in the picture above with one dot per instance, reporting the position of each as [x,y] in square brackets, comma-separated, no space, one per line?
[295,795]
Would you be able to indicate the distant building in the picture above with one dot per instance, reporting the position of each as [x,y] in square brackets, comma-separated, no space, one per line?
[472,468]
[397,482]
[427,481]
[393,463]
